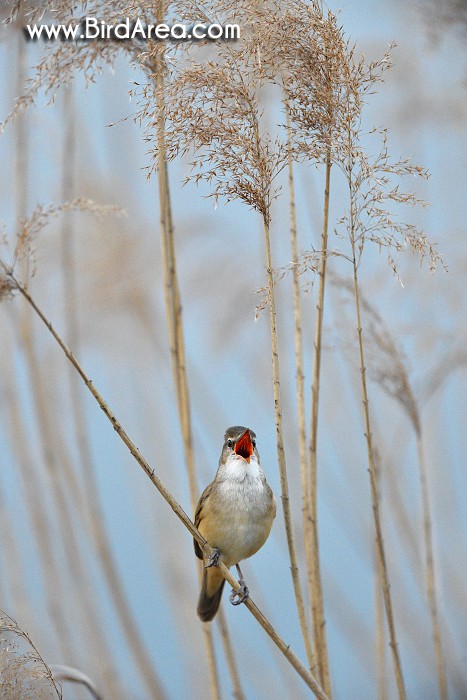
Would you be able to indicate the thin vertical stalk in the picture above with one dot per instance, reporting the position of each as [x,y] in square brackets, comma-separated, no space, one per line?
[372,471]
[175,332]
[173,310]
[316,590]
[380,636]
[230,656]
[91,501]
[373,484]
[430,568]
[280,440]
[404,525]
[379,605]
[300,392]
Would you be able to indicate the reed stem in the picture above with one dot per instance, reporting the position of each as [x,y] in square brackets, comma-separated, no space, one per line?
[430,569]
[177,350]
[300,392]
[307,677]
[280,445]
[316,590]
[374,491]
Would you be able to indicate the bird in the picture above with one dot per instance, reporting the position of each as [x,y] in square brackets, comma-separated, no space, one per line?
[234,514]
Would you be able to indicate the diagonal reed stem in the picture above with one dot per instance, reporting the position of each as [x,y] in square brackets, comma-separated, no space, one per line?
[307,677]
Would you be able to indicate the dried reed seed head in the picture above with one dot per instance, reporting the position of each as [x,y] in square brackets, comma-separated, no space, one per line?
[23,671]
[29,228]
[387,364]
[302,50]
[212,108]
[6,287]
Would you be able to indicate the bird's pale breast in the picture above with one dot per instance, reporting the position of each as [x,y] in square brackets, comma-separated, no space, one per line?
[240,518]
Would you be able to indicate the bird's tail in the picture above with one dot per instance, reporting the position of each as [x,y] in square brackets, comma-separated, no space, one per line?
[211,593]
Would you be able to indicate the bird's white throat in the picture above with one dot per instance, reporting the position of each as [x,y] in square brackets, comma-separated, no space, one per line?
[237,468]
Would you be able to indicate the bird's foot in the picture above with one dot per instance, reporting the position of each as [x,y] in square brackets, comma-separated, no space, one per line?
[213,558]
[237,597]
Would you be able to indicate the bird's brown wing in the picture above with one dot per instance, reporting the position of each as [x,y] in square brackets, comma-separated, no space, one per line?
[199,516]
[271,497]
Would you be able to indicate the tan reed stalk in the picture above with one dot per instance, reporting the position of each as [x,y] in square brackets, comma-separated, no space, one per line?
[203,113]
[299,374]
[406,396]
[430,568]
[395,380]
[280,441]
[229,654]
[372,474]
[379,605]
[171,288]
[175,332]
[380,636]
[310,681]
[317,605]
[265,212]
[404,526]
[91,503]
[312,92]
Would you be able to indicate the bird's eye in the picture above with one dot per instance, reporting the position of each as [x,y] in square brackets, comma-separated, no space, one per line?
[253,442]
[229,443]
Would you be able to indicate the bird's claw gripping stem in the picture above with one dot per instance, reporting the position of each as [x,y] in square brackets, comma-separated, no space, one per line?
[214,558]
[237,597]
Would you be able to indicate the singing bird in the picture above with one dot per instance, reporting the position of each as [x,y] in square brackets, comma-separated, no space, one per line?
[234,514]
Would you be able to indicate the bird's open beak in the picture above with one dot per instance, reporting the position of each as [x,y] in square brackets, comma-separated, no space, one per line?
[244,447]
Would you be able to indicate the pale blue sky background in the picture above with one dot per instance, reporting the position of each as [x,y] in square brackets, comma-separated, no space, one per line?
[423,102]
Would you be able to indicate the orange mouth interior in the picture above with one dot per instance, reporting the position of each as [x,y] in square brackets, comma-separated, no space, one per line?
[244,447]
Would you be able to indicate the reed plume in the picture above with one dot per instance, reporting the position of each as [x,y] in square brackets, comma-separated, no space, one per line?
[212,110]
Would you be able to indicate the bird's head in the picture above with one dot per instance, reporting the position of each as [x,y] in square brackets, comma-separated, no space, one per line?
[240,441]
